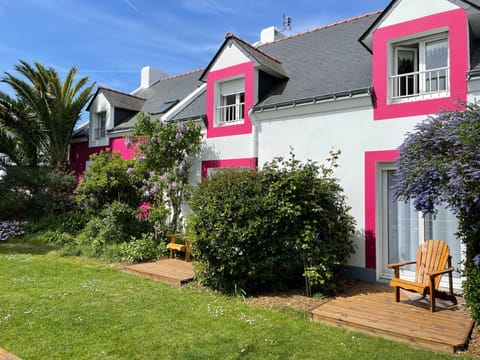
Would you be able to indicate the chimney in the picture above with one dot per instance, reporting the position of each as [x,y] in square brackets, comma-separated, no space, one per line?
[150,75]
[270,34]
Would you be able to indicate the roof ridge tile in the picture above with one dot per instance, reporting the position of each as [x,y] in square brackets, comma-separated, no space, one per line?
[340,22]
[231,35]
[101,87]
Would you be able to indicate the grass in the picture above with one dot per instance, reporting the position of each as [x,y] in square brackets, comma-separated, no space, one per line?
[54,307]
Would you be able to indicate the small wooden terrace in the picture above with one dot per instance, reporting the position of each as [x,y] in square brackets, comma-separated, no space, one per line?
[371,309]
[171,271]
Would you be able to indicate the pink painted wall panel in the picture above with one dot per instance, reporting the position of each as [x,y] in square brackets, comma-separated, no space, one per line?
[251,163]
[80,153]
[372,160]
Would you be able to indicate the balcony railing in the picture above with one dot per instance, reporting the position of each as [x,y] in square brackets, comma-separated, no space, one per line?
[419,83]
[228,114]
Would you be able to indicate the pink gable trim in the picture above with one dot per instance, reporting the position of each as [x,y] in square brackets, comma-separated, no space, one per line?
[230,163]
[246,70]
[456,22]
[372,159]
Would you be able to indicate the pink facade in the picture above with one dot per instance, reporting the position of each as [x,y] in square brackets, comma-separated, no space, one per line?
[80,153]
[372,161]
[455,22]
[250,163]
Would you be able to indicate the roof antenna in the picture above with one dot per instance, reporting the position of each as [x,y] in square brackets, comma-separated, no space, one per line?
[287,23]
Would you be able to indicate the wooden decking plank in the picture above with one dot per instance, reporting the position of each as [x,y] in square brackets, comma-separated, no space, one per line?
[394,332]
[406,329]
[170,271]
[404,313]
[374,311]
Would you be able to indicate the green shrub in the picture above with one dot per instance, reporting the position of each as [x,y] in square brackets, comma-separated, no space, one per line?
[70,222]
[280,227]
[107,180]
[471,288]
[145,248]
[32,193]
[114,225]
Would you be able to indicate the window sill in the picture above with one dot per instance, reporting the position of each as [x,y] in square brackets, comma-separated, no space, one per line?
[98,142]
[421,97]
[230,123]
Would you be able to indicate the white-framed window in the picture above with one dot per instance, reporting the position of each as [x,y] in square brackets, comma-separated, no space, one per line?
[99,130]
[420,68]
[230,107]
[403,229]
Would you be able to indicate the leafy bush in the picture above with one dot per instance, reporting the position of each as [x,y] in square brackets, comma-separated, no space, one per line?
[271,229]
[108,180]
[145,248]
[471,288]
[70,222]
[113,225]
[29,193]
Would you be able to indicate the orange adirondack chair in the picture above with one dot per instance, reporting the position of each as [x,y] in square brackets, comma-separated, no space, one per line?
[433,260]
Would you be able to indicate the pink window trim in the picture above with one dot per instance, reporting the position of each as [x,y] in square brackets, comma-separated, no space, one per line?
[247,71]
[372,160]
[456,22]
[229,163]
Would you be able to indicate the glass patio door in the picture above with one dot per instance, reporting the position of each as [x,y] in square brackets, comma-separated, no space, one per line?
[404,229]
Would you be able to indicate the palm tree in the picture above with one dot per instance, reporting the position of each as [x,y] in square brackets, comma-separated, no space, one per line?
[20,137]
[55,106]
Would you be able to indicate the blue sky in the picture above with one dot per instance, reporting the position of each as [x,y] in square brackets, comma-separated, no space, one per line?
[111,40]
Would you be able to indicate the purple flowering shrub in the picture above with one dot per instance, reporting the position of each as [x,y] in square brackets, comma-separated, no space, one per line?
[440,162]
[10,229]
[164,152]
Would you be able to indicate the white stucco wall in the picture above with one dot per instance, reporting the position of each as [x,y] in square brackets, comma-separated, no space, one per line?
[231,55]
[346,125]
[413,9]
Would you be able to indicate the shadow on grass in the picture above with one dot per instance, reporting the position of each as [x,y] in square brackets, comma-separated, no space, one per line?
[25,248]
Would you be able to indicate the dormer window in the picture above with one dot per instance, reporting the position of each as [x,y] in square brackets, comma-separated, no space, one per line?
[230,107]
[99,130]
[420,69]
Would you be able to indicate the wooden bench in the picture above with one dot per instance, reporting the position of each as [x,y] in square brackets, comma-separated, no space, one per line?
[433,260]
[174,246]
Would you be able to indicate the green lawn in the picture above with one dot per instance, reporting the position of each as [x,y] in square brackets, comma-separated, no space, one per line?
[55,307]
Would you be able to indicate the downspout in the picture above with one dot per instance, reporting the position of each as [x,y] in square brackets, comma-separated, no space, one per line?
[251,115]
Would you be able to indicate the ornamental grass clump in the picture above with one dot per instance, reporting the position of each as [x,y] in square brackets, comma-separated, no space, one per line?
[10,229]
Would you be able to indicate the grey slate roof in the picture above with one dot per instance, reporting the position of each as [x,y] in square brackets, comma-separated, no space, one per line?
[324,61]
[167,89]
[265,61]
[119,99]
[194,110]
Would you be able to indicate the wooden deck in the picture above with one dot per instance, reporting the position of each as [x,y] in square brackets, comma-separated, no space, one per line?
[371,309]
[171,271]
[5,355]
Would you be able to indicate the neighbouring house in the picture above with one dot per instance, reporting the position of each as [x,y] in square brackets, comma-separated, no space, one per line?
[358,85]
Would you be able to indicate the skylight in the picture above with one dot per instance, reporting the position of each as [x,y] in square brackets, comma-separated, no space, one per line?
[167,105]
